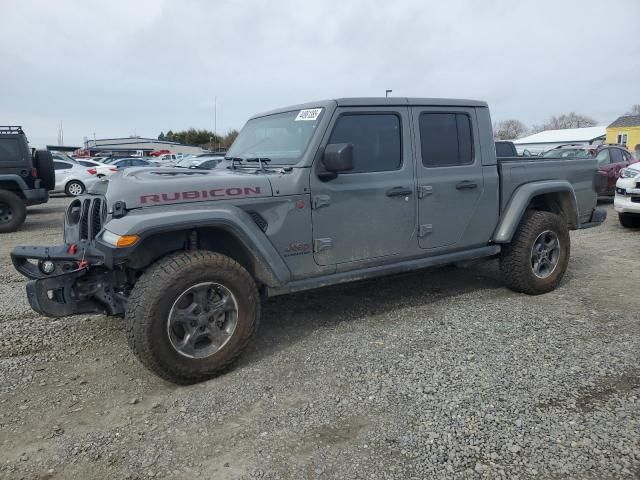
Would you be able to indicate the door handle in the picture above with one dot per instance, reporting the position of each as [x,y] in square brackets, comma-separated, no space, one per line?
[466,185]
[399,192]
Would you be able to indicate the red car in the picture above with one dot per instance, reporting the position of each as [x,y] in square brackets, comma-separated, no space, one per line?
[611,159]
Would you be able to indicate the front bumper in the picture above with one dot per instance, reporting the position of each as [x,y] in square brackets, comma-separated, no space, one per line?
[627,199]
[79,283]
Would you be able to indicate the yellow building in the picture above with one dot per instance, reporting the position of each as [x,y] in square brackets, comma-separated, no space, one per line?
[625,131]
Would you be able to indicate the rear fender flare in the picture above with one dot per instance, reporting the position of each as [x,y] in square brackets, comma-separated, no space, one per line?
[15,178]
[521,200]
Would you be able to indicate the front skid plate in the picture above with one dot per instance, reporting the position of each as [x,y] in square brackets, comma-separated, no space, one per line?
[61,295]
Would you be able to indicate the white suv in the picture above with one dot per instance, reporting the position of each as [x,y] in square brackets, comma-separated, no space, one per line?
[627,199]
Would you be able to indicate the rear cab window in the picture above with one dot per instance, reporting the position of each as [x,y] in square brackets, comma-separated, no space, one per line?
[10,150]
[446,139]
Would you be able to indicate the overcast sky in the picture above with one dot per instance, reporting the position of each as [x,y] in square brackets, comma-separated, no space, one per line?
[122,67]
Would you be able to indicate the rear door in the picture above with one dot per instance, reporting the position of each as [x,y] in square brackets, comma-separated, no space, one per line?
[449,175]
[62,171]
[369,213]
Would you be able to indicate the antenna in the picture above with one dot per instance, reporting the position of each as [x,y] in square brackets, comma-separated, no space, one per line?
[387,92]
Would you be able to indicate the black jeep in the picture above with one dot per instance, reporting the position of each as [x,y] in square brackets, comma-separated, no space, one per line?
[26,177]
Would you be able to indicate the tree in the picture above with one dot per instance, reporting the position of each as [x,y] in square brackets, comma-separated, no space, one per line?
[536,128]
[169,136]
[509,129]
[635,110]
[569,120]
[229,137]
[161,136]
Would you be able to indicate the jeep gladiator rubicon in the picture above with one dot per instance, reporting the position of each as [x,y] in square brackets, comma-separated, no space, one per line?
[25,177]
[308,196]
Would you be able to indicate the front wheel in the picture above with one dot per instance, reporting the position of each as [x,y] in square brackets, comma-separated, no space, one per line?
[191,314]
[537,257]
[629,220]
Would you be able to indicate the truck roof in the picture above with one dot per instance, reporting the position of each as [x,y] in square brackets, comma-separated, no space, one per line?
[379,102]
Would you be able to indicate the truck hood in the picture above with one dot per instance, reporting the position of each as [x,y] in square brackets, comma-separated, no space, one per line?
[143,187]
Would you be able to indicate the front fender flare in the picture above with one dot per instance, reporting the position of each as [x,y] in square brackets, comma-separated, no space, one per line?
[520,201]
[270,269]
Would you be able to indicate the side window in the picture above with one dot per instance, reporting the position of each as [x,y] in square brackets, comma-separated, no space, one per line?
[603,157]
[10,150]
[616,155]
[446,139]
[61,166]
[376,140]
[138,163]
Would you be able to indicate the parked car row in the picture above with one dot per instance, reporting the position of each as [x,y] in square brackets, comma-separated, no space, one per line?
[75,176]
[612,159]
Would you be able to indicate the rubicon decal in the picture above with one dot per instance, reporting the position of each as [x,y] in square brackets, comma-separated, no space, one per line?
[200,194]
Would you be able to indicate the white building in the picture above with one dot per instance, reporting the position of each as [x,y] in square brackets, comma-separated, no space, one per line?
[133,144]
[541,142]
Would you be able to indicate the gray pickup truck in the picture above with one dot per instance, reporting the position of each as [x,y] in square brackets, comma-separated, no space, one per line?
[308,196]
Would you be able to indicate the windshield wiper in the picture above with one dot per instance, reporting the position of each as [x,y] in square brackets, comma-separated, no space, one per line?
[260,161]
[234,160]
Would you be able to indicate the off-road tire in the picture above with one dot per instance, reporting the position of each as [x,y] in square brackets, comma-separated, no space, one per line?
[153,295]
[43,162]
[18,211]
[67,188]
[515,258]
[629,220]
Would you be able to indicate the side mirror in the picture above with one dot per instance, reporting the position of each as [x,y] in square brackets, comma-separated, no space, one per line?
[338,157]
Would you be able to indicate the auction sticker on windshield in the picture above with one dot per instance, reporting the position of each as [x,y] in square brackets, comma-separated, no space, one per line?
[308,114]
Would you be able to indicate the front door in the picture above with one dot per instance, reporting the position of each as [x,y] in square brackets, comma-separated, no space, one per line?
[449,175]
[368,213]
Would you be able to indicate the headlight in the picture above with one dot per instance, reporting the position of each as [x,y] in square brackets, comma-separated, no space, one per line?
[120,241]
[629,173]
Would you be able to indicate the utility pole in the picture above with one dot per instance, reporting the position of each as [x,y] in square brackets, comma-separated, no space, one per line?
[215,118]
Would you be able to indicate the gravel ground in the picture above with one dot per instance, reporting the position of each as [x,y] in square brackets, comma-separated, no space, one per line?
[436,374]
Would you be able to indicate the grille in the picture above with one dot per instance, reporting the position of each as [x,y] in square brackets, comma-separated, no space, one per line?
[85,218]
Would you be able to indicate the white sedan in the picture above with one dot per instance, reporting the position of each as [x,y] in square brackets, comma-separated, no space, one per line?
[627,199]
[72,178]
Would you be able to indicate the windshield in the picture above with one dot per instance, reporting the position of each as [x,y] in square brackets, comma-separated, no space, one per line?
[568,153]
[282,137]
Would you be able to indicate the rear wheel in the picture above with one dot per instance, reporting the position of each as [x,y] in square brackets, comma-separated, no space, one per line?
[74,188]
[629,220]
[13,211]
[537,257]
[191,314]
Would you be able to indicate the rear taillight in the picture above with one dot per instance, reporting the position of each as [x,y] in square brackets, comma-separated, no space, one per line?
[92,171]
[113,169]
[34,172]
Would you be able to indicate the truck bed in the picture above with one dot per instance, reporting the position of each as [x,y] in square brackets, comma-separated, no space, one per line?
[579,172]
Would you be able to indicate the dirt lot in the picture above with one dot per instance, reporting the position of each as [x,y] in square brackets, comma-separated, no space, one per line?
[440,373]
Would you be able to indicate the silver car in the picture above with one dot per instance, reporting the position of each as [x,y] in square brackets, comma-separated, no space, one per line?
[72,178]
